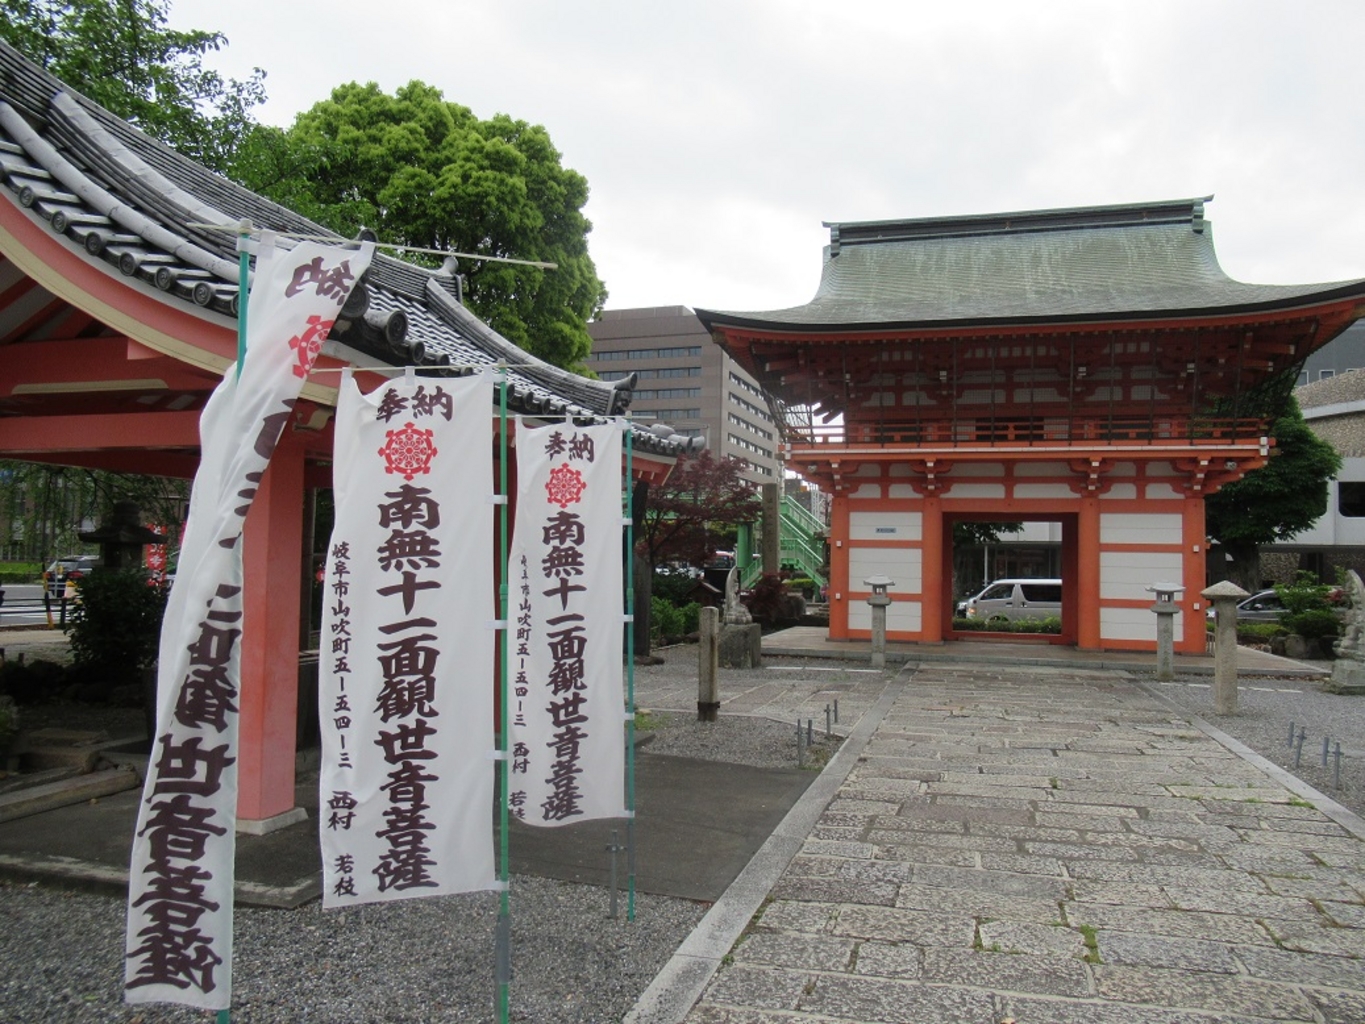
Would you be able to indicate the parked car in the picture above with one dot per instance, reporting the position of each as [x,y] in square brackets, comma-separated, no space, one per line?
[71,567]
[1266,606]
[1015,600]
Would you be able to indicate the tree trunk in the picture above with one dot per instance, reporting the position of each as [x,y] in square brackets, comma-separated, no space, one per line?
[644,587]
[1244,566]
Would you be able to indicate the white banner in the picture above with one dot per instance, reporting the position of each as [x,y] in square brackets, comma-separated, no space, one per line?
[566,670]
[180,884]
[407,649]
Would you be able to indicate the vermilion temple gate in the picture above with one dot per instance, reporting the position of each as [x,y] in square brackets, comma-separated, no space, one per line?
[1092,367]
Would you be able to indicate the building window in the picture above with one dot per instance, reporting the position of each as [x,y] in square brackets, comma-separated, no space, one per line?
[1351,498]
[750,408]
[686,352]
[669,393]
[1303,379]
[1325,374]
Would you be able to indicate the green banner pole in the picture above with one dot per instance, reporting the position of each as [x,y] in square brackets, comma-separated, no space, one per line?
[243,289]
[630,667]
[503,970]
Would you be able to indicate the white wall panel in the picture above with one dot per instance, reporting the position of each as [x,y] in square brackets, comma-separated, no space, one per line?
[1043,491]
[1140,528]
[904,565]
[1024,469]
[867,491]
[977,491]
[901,616]
[884,525]
[1128,574]
[1132,624]
[1162,490]
[902,491]
[1120,491]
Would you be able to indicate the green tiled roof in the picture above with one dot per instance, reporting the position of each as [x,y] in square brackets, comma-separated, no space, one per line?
[1137,261]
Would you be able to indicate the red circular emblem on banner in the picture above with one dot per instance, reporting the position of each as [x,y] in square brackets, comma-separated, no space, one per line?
[309,344]
[408,451]
[565,486]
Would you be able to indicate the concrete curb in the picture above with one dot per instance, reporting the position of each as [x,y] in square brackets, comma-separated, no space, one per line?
[676,989]
[1343,816]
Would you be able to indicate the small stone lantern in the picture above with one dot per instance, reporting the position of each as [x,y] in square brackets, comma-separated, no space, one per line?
[121,538]
[1167,598]
[879,600]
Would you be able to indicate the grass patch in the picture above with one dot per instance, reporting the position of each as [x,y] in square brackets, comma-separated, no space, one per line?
[646,721]
[1092,945]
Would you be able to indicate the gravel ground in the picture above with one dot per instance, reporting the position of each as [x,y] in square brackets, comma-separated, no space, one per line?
[1265,707]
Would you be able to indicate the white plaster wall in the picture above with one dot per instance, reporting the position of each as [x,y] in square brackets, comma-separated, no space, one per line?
[970,469]
[901,616]
[1043,491]
[1024,469]
[1128,574]
[977,491]
[869,469]
[901,491]
[875,525]
[1132,624]
[904,565]
[867,491]
[1162,490]
[1134,528]
[1120,491]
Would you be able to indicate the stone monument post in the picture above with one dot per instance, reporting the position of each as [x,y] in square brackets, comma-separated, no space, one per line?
[1224,596]
[879,600]
[1165,607]
[708,666]
[1348,672]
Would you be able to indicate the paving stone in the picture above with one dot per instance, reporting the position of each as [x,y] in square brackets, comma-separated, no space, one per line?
[1314,969]
[1247,904]
[710,1013]
[866,807]
[825,848]
[1190,990]
[1165,951]
[838,834]
[897,1002]
[1124,893]
[800,917]
[861,870]
[1315,936]
[1182,828]
[1187,923]
[1010,883]
[1339,1007]
[1022,863]
[902,960]
[836,890]
[883,789]
[912,854]
[1030,1010]
[1081,851]
[1006,972]
[1312,885]
[1036,832]
[945,841]
[934,826]
[970,814]
[758,987]
[1156,874]
[982,905]
[1110,821]
[1033,939]
[1347,915]
[892,924]
[795,950]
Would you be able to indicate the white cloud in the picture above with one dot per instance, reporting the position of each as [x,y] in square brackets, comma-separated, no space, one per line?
[716,136]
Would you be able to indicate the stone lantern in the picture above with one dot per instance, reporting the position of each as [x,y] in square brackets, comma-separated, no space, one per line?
[879,600]
[121,538]
[1167,598]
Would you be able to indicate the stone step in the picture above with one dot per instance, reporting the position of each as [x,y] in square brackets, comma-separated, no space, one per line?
[36,799]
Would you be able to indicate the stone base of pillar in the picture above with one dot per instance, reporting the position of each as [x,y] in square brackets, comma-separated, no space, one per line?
[1347,677]
[741,646]
[264,826]
[708,711]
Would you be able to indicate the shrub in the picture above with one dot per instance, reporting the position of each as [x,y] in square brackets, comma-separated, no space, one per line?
[665,619]
[1313,623]
[1304,594]
[116,626]
[28,682]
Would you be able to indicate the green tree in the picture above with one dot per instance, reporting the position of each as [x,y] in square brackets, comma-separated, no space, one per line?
[421,171]
[687,515]
[120,54]
[1282,498]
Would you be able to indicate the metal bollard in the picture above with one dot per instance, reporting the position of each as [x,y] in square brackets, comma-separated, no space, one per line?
[1325,742]
[1298,747]
[836,710]
[1290,741]
[1336,771]
[810,732]
[800,748]
[829,729]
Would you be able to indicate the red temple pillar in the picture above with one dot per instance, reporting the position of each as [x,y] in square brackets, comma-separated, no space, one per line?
[1088,574]
[270,645]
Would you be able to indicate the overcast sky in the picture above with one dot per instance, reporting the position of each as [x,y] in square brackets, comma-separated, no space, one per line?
[718,135]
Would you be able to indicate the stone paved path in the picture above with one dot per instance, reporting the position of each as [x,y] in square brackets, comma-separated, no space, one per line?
[1046,846]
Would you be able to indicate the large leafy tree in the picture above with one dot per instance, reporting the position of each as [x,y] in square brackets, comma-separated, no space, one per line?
[1282,498]
[424,172]
[121,54]
[702,499]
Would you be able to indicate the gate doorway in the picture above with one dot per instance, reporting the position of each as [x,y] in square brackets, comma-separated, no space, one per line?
[1044,549]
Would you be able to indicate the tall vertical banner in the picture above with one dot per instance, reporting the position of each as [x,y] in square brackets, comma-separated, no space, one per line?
[407,648]
[566,673]
[180,883]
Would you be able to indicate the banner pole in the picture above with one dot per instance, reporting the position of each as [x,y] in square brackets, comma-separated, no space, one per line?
[630,669]
[503,954]
[243,288]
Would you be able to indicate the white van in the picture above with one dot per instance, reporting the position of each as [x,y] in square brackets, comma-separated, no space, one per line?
[1013,600]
